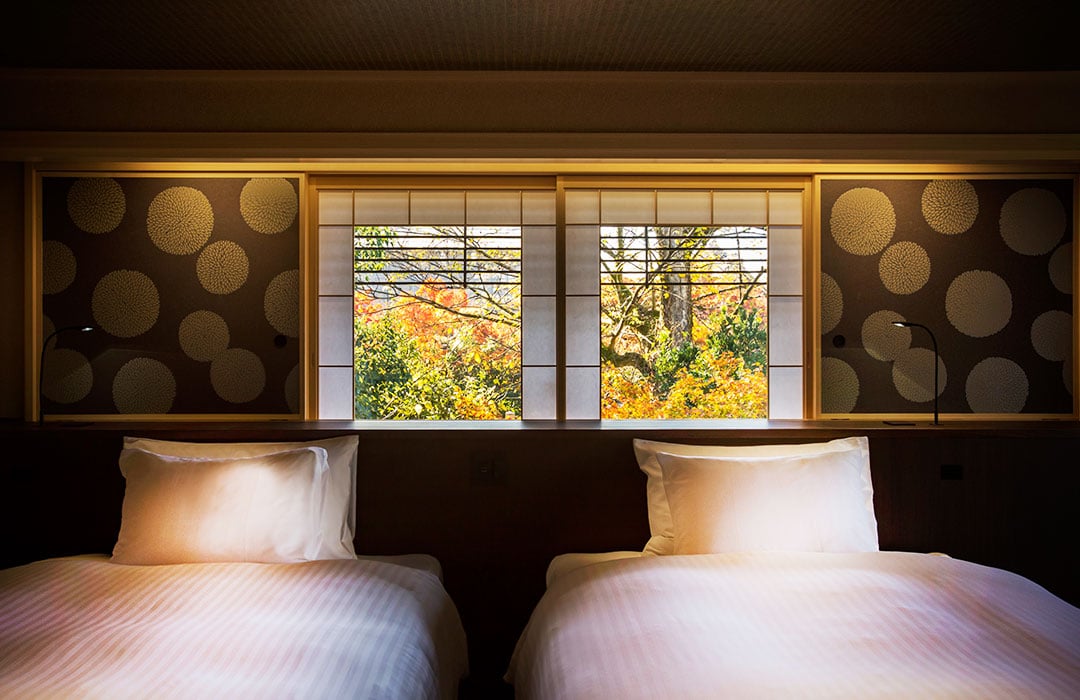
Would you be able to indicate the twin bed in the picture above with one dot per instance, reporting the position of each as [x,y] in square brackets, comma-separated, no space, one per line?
[796,625]
[234,575]
[85,627]
[763,579]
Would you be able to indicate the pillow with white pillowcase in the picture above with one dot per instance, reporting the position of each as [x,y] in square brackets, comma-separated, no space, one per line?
[179,510]
[798,503]
[339,509]
[660,525]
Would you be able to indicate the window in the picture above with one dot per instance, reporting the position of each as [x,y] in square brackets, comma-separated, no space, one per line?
[683,322]
[632,302]
[437,322]
[422,301]
[747,240]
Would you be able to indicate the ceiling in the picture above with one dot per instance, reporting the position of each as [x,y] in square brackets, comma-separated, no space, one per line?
[560,35]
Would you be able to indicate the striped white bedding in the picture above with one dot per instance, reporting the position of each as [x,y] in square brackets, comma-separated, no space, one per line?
[82,627]
[797,625]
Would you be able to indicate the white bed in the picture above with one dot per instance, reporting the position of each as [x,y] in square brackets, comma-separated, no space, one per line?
[88,627]
[794,624]
[763,578]
[233,576]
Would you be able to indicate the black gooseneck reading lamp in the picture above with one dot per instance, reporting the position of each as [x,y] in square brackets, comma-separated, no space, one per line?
[86,328]
[933,340]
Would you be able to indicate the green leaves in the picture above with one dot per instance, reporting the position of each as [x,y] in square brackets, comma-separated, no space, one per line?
[739,331]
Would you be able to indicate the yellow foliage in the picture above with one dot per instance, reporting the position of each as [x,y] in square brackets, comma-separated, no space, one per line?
[730,390]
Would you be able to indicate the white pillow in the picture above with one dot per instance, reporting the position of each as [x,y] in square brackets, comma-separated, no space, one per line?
[804,503]
[339,510]
[660,526]
[190,509]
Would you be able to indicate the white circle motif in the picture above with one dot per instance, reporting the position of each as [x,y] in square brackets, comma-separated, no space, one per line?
[125,303]
[950,206]
[222,267]
[180,220]
[1051,335]
[68,376]
[862,221]
[978,303]
[281,303]
[58,267]
[832,303]
[203,335]
[913,375]
[1060,268]
[904,267]
[268,205]
[1032,221]
[997,385]
[237,375]
[96,204]
[881,339]
[839,386]
[144,385]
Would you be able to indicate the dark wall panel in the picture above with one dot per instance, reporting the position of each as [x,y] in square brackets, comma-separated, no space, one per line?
[985,264]
[192,284]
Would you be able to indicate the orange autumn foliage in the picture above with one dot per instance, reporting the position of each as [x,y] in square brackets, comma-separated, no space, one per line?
[728,390]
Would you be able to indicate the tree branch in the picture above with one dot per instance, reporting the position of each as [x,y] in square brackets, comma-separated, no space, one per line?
[626,359]
[509,322]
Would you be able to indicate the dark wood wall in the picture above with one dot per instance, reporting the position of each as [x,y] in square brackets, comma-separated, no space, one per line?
[495,504]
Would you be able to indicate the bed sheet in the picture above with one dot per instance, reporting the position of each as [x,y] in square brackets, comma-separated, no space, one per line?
[806,625]
[86,627]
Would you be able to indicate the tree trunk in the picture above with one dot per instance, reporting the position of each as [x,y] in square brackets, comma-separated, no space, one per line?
[677,309]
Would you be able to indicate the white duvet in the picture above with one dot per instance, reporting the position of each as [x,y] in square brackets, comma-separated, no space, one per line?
[83,627]
[796,625]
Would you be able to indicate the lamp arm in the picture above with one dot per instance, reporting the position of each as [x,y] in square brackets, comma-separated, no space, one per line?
[933,341]
[41,365]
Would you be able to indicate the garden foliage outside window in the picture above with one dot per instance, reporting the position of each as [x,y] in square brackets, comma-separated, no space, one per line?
[448,307]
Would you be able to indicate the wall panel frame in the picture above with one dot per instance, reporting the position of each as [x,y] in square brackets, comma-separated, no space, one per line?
[191,282]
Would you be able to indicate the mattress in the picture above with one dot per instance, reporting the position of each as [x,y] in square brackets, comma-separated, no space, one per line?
[86,627]
[798,624]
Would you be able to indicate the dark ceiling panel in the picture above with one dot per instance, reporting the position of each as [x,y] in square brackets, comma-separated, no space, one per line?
[637,35]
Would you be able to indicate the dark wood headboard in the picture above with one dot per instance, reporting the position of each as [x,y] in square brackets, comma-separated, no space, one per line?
[495,504]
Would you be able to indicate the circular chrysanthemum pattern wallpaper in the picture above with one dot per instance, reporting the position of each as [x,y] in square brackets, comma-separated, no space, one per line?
[862,221]
[96,204]
[192,284]
[985,264]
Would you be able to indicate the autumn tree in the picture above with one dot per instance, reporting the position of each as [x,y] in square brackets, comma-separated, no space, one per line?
[437,319]
[675,301]
[438,323]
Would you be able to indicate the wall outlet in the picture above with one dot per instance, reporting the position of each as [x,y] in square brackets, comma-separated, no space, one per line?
[486,473]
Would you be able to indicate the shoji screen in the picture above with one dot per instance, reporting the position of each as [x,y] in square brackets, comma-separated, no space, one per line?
[775,213]
[345,214]
[560,303]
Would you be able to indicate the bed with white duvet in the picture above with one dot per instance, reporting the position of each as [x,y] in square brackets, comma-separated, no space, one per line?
[795,625]
[233,576]
[763,579]
[88,627]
